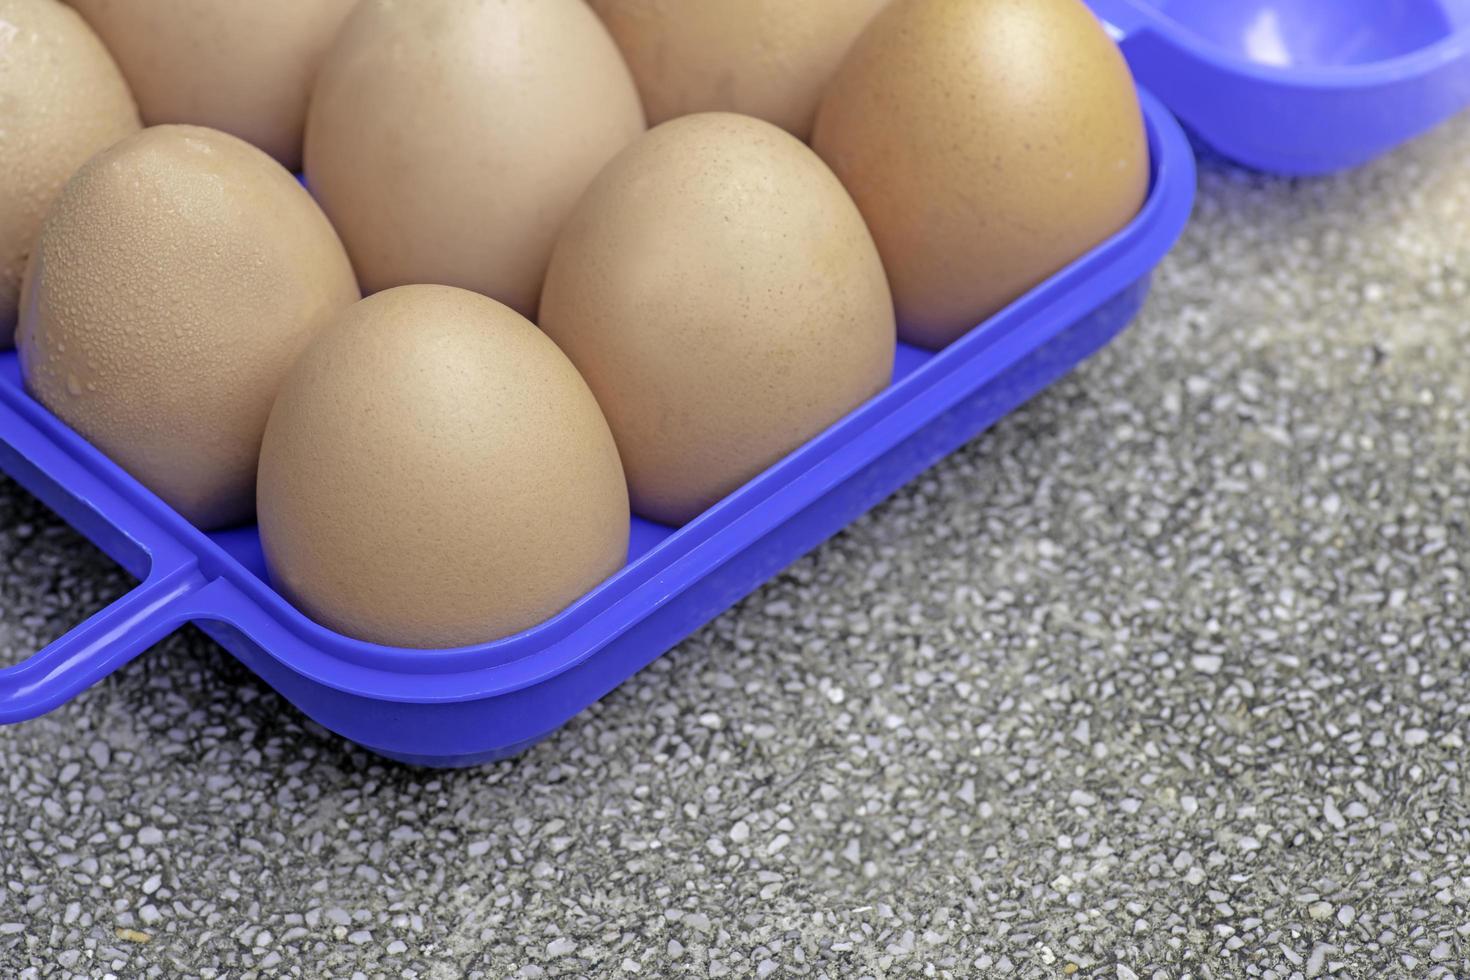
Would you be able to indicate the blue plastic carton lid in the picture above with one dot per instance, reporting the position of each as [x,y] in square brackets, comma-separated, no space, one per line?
[1299,86]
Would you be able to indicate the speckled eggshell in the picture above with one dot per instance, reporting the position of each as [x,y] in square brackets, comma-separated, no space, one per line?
[62,99]
[720,293]
[449,140]
[437,474]
[175,281]
[989,143]
[245,67]
[765,58]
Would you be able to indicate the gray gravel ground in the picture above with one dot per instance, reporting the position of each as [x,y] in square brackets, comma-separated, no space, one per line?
[1165,677]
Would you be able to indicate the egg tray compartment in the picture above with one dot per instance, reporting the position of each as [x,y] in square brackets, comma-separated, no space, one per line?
[462,707]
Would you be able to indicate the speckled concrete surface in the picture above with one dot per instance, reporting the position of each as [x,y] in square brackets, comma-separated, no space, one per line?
[1165,677]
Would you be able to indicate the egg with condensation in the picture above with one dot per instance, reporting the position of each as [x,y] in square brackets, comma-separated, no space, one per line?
[245,67]
[765,58]
[176,279]
[719,291]
[989,143]
[436,474]
[62,99]
[448,140]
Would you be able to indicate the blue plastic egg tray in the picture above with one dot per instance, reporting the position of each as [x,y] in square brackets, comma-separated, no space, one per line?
[460,707]
[1295,86]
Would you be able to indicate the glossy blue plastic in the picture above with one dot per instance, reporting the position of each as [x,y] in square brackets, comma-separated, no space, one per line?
[1300,86]
[460,707]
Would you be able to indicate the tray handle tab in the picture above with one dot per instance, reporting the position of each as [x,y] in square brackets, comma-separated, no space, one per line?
[101,644]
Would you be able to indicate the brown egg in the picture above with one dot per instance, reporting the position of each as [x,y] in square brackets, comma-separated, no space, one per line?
[449,140]
[61,100]
[764,58]
[720,293]
[242,66]
[176,279]
[989,143]
[436,474]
